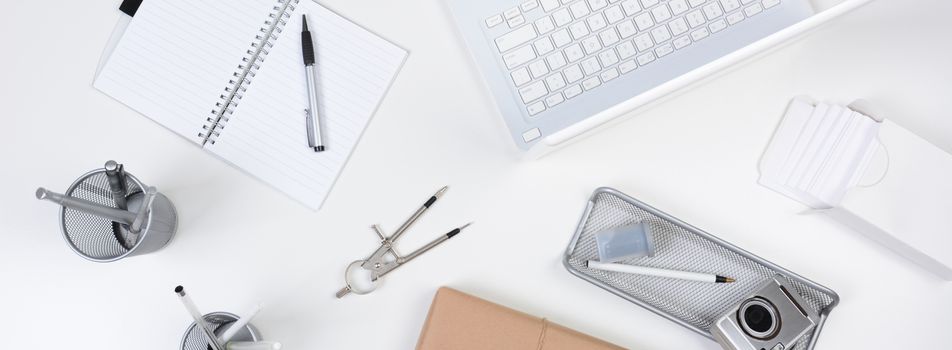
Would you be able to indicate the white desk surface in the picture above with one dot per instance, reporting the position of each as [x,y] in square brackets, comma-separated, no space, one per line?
[239,242]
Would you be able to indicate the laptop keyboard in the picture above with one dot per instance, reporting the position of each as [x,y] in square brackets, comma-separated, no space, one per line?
[556,50]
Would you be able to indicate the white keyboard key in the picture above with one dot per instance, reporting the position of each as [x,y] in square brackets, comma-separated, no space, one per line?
[661,13]
[597,22]
[530,135]
[543,46]
[530,5]
[562,17]
[515,38]
[717,26]
[664,50]
[609,74]
[533,109]
[700,34]
[578,29]
[591,45]
[614,14]
[678,26]
[590,66]
[695,18]
[512,13]
[555,82]
[678,6]
[518,57]
[681,42]
[521,76]
[645,59]
[644,21]
[591,83]
[516,21]
[556,60]
[573,73]
[753,10]
[730,5]
[660,34]
[608,57]
[627,66]
[745,2]
[649,3]
[574,52]
[549,5]
[770,3]
[572,91]
[553,100]
[538,69]
[608,37]
[544,25]
[533,91]
[626,49]
[631,7]
[735,18]
[643,42]
[626,29]
[493,21]
[597,4]
[696,3]
[561,38]
[579,9]
[712,10]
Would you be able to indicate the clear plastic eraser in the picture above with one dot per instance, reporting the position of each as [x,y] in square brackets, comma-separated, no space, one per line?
[625,242]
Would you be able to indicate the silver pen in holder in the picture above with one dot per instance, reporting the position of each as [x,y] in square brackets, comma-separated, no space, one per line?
[117,183]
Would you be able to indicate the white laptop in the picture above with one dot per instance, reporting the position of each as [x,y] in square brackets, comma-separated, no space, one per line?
[559,68]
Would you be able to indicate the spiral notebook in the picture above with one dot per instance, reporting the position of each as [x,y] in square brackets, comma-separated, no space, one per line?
[228,76]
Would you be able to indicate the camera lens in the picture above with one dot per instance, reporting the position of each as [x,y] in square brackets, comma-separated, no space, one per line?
[758,318]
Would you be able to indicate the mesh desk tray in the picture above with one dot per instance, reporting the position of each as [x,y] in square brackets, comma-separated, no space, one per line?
[680,246]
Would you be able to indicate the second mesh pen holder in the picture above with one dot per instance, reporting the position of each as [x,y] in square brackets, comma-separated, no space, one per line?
[96,238]
[218,322]
[683,247]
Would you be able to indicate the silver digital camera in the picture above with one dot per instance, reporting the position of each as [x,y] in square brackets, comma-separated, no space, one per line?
[774,317]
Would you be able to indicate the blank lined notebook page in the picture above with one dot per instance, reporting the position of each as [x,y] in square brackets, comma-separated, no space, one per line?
[266,134]
[176,58]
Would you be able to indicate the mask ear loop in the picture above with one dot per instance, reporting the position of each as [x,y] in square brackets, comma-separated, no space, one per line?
[885,171]
[867,109]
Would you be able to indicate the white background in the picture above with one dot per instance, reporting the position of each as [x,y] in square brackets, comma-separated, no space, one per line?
[239,242]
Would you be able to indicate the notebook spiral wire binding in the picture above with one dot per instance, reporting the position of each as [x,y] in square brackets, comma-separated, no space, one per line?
[249,66]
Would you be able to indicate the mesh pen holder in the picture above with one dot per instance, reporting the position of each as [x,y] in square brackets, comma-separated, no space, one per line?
[194,339]
[98,239]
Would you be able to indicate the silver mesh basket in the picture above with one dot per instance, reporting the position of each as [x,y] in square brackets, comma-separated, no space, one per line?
[218,322]
[679,246]
[98,239]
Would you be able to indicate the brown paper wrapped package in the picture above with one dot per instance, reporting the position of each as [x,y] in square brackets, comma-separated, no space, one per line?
[458,321]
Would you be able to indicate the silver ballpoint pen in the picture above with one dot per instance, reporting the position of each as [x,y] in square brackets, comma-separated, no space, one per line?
[314,139]
[117,183]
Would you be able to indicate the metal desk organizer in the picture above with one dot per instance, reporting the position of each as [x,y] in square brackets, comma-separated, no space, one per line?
[194,339]
[91,225]
[681,246]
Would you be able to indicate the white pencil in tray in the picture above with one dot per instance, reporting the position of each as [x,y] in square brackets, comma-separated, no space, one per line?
[651,271]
